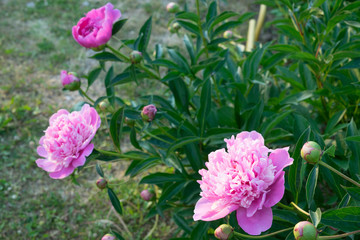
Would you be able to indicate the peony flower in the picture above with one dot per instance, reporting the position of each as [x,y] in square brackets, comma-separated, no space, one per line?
[245,178]
[69,80]
[67,141]
[148,113]
[108,236]
[95,29]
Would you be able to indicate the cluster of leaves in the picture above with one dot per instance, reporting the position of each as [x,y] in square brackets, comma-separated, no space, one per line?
[303,86]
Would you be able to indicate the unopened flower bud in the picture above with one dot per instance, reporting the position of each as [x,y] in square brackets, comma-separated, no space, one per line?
[311,152]
[173,7]
[305,231]
[103,105]
[136,57]
[224,232]
[108,236]
[70,81]
[228,34]
[146,195]
[148,113]
[101,183]
[174,28]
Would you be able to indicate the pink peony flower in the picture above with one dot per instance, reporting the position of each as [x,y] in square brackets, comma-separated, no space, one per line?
[148,113]
[95,29]
[67,141]
[244,178]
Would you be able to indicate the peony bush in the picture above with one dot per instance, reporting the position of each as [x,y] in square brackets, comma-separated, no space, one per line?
[288,111]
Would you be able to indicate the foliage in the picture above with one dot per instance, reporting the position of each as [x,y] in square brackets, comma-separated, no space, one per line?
[303,86]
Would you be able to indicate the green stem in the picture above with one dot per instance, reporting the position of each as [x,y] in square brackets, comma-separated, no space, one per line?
[339,173]
[127,59]
[86,96]
[200,28]
[116,154]
[262,236]
[339,236]
[165,132]
[284,206]
[299,209]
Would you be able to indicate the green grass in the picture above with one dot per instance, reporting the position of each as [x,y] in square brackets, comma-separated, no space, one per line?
[35,44]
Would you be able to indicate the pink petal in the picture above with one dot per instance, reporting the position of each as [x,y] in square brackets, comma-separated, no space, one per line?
[56,115]
[42,152]
[62,173]
[80,161]
[277,190]
[206,210]
[255,205]
[280,158]
[47,165]
[259,222]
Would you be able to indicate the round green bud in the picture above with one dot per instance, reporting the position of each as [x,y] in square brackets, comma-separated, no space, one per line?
[228,34]
[224,232]
[174,28]
[305,231]
[311,152]
[173,7]
[136,57]
[103,105]
[101,183]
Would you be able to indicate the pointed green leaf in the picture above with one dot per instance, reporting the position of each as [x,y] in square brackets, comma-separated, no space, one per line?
[115,201]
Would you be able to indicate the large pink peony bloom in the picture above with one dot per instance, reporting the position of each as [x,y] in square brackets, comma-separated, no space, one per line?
[67,141]
[246,179]
[95,29]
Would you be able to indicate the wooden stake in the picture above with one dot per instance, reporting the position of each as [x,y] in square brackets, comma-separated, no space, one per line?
[250,36]
[260,21]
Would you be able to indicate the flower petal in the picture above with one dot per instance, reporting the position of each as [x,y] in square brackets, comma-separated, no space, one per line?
[277,190]
[280,158]
[259,222]
[80,161]
[207,210]
[47,165]
[255,205]
[42,152]
[62,173]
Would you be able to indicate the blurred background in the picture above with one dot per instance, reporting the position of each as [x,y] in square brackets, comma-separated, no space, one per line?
[35,45]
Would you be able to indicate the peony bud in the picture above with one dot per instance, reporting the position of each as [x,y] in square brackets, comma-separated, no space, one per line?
[70,81]
[224,232]
[135,57]
[103,105]
[108,236]
[311,152]
[172,7]
[146,195]
[101,183]
[174,28]
[305,231]
[148,113]
[228,34]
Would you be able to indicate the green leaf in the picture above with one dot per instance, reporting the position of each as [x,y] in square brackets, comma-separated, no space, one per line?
[294,178]
[117,235]
[311,184]
[118,25]
[138,166]
[106,56]
[142,41]
[355,63]
[191,27]
[109,88]
[189,16]
[115,201]
[346,219]
[182,142]
[315,216]
[222,17]
[274,122]
[170,191]
[99,170]
[354,192]
[353,139]
[317,3]
[296,98]
[354,163]
[200,230]
[212,12]
[179,60]
[93,75]
[116,124]
[285,48]
[133,139]
[160,178]
[182,223]
[330,151]
[190,48]
[181,94]
[335,119]
[193,155]
[290,31]
[205,107]
[333,21]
